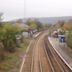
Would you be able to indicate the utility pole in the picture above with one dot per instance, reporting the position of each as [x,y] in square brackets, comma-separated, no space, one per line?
[24,8]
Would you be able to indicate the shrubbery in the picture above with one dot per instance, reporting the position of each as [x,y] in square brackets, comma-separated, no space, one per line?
[8,34]
[69,39]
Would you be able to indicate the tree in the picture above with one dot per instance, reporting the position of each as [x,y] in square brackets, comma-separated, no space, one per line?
[32,24]
[69,39]
[68,25]
[19,21]
[8,37]
[39,25]
[46,26]
[61,23]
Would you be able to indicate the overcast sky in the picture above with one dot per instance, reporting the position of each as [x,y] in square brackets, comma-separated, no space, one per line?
[12,9]
[48,8]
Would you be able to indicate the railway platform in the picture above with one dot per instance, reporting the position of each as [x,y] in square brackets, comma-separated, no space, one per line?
[62,50]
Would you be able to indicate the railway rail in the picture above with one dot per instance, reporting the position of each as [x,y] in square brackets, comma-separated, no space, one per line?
[44,58]
[56,62]
[39,63]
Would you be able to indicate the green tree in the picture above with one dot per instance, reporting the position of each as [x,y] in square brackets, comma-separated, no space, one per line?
[8,36]
[69,39]
[39,25]
[32,24]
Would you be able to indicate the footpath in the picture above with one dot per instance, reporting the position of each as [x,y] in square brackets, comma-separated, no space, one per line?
[62,50]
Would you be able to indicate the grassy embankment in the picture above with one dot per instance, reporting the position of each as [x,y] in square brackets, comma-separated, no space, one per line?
[12,61]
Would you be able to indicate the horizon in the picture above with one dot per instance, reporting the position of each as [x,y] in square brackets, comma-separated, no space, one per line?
[51,20]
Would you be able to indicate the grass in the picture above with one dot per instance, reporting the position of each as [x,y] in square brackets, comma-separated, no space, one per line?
[12,61]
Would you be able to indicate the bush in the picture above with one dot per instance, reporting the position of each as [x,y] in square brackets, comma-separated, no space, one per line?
[8,34]
[62,33]
[69,39]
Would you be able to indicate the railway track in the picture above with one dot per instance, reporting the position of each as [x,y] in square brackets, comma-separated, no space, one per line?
[56,63]
[29,63]
[39,69]
[43,57]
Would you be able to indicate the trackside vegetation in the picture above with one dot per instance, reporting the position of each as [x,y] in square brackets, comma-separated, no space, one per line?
[10,49]
[67,26]
[69,39]
[8,34]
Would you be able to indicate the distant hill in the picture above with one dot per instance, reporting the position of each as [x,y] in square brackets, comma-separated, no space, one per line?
[49,20]
[52,20]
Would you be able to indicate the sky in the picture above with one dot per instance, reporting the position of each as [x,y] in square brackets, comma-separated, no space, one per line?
[12,9]
[47,8]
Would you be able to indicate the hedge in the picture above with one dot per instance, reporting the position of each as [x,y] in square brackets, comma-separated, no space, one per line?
[69,39]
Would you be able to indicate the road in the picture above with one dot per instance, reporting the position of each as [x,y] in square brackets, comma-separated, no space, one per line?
[42,57]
